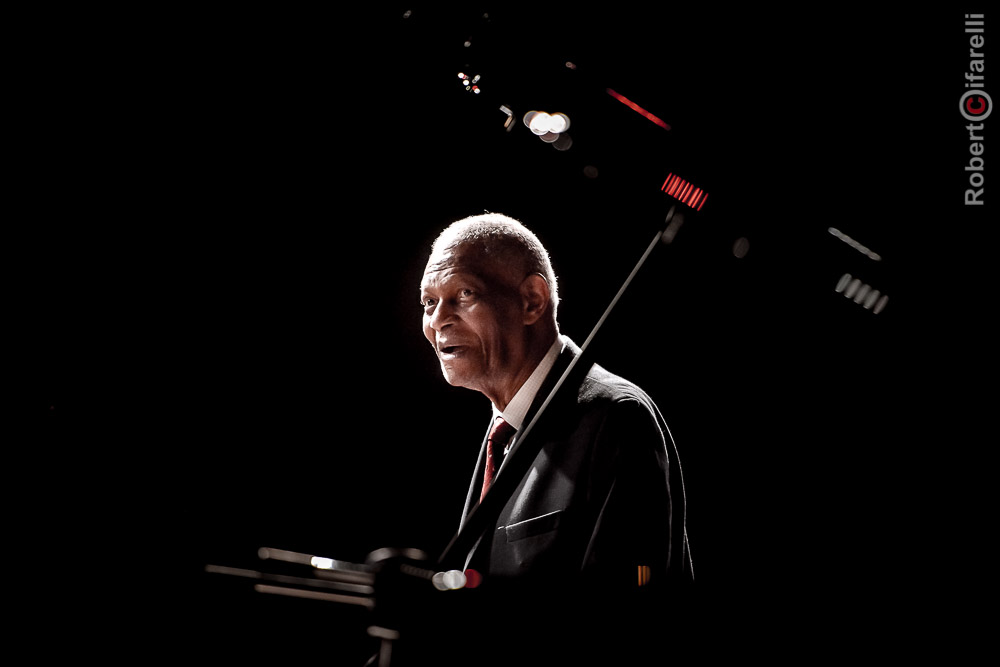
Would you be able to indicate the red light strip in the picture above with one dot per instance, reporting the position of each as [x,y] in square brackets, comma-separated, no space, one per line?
[638,109]
[684,192]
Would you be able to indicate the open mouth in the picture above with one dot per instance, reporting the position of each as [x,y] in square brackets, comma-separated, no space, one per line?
[451,350]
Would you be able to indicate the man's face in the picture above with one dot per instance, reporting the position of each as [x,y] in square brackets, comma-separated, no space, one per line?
[472,319]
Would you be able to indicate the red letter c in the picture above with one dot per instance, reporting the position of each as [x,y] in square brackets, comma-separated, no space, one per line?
[979,109]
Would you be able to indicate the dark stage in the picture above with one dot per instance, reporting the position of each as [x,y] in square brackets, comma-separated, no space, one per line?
[230,214]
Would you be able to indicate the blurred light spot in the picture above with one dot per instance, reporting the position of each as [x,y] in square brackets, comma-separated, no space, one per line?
[469,82]
[321,563]
[539,124]
[570,65]
[590,171]
[473,578]
[854,244]
[509,123]
[861,293]
[559,122]
[671,231]
[563,143]
[684,192]
[741,247]
[452,580]
[542,123]
[537,121]
[645,573]
[638,109]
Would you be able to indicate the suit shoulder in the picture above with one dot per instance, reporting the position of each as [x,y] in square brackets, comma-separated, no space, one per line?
[600,385]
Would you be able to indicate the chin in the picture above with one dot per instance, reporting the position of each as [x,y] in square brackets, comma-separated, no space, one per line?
[456,379]
[451,377]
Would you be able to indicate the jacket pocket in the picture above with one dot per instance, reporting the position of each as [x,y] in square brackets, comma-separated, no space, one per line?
[536,526]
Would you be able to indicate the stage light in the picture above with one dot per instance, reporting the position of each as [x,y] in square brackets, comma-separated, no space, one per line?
[550,128]
[542,123]
[861,293]
[537,121]
[470,83]
[684,192]
[558,122]
[874,256]
[638,109]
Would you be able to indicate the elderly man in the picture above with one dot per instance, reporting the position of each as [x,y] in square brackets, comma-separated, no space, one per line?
[600,503]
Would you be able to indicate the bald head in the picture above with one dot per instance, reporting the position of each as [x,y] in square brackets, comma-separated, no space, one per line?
[502,245]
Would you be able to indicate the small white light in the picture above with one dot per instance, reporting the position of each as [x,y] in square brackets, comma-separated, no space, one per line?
[540,123]
[321,563]
[454,579]
[559,123]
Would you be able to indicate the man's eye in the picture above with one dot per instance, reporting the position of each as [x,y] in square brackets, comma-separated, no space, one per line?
[426,303]
[467,293]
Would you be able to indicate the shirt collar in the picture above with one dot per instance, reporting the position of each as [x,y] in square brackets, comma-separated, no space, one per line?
[516,411]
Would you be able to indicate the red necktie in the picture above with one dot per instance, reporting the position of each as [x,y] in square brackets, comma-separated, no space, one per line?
[499,435]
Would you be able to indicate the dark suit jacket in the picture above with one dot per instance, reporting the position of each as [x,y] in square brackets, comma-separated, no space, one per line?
[561,555]
[603,502]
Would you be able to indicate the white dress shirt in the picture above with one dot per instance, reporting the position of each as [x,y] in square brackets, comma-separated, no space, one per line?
[517,410]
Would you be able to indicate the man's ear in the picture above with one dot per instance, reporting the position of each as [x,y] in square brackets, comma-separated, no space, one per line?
[535,298]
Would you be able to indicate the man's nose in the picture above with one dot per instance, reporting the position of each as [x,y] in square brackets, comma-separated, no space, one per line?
[442,316]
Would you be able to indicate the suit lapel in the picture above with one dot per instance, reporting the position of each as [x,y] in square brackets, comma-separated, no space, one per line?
[570,352]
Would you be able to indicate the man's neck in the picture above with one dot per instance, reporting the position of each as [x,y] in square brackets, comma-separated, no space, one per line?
[515,409]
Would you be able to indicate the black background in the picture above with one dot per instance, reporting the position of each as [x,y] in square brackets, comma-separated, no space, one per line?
[225,218]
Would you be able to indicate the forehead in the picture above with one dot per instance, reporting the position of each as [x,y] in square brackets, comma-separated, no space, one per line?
[460,261]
